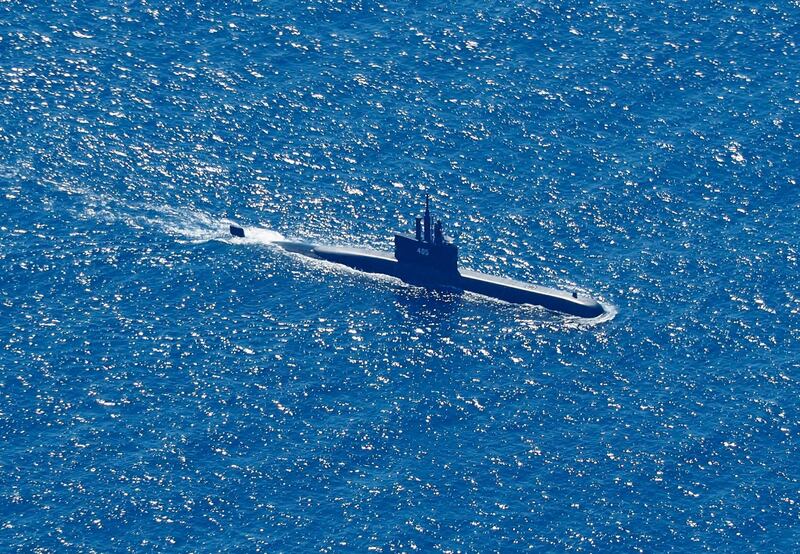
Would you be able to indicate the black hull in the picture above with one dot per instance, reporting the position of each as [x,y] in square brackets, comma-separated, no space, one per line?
[374,261]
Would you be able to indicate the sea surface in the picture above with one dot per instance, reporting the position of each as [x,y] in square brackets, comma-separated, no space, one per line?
[167,388]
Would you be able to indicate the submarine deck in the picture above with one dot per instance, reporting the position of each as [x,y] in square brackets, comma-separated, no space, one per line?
[527,293]
[509,290]
[367,253]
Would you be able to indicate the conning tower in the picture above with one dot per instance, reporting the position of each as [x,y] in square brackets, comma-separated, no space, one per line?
[427,252]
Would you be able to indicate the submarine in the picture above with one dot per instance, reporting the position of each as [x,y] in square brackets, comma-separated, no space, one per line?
[430,259]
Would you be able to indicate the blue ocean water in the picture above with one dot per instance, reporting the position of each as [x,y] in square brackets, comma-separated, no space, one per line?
[166,388]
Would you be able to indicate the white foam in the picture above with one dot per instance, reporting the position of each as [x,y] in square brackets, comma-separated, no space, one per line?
[186,225]
[610,313]
[258,235]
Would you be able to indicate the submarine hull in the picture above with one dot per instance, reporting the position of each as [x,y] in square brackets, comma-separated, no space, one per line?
[526,293]
[509,290]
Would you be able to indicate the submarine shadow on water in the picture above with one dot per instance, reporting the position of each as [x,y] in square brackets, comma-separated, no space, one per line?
[428,304]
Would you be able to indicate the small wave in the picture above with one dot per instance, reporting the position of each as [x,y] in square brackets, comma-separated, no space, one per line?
[584,323]
[8,172]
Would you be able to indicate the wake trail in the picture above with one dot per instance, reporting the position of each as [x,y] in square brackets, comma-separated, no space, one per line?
[196,227]
[255,235]
[190,226]
[186,224]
